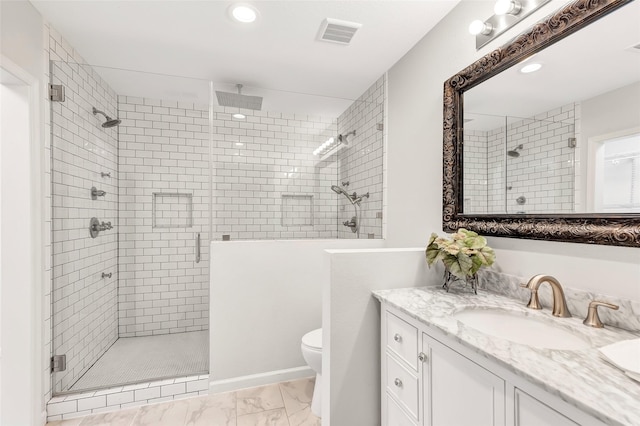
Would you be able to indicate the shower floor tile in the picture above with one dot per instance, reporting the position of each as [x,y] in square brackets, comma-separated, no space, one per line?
[142,359]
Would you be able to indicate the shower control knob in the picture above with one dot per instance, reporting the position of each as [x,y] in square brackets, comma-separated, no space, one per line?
[95,193]
[95,227]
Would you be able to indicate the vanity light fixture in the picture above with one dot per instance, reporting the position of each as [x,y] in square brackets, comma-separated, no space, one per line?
[507,14]
[504,7]
[529,68]
[244,13]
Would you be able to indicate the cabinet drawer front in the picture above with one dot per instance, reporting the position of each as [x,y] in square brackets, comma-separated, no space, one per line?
[402,339]
[402,384]
[396,415]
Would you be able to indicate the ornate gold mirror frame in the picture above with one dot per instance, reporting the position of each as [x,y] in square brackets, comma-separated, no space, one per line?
[619,230]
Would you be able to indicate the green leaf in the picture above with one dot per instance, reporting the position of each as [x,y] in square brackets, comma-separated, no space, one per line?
[476,242]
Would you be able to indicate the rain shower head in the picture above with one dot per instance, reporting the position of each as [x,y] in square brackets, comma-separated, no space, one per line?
[111,122]
[238,100]
[514,152]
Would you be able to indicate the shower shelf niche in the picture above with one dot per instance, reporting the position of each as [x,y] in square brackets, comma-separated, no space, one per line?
[172,210]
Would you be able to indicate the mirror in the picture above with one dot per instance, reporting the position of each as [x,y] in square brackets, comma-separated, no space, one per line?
[552,154]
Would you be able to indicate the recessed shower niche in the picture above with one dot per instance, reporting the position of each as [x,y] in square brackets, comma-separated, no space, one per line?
[172,210]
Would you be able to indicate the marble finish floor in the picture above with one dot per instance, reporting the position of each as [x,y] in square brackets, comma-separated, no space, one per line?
[281,404]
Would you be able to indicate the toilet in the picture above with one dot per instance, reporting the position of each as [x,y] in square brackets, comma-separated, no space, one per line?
[311,347]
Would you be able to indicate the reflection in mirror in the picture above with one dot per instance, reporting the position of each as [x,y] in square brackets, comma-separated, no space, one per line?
[564,138]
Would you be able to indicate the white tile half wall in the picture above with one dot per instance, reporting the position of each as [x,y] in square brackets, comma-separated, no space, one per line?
[265,295]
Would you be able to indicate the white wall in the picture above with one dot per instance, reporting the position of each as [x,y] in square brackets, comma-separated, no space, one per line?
[351,327]
[265,295]
[21,39]
[415,163]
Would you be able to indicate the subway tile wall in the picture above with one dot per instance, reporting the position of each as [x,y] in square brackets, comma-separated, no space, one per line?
[164,205]
[361,162]
[543,174]
[264,170]
[85,316]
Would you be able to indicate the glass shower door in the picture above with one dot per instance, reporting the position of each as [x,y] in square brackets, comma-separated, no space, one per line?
[130,226]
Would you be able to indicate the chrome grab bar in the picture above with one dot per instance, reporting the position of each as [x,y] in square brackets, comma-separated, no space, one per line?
[198,248]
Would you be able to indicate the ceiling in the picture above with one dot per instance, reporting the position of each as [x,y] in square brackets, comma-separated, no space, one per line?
[278,56]
[597,59]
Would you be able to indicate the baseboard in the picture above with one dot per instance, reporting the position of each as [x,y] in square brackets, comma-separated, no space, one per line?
[253,380]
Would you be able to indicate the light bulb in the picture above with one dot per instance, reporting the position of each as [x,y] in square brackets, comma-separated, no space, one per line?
[480,27]
[239,116]
[503,7]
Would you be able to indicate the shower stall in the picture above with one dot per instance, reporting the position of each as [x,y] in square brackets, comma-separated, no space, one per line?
[147,169]
[516,165]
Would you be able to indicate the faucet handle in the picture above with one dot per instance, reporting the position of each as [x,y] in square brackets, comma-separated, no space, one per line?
[534,301]
[592,319]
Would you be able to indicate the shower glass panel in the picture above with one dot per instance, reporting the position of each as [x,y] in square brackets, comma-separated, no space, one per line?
[131,226]
[274,166]
[515,165]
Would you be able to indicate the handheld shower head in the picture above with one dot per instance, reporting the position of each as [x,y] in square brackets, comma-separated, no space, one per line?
[339,190]
[111,122]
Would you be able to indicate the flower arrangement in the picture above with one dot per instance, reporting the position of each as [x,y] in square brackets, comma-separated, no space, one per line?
[463,254]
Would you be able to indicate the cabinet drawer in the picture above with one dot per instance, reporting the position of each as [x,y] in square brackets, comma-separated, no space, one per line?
[402,339]
[403,385]
[396,415]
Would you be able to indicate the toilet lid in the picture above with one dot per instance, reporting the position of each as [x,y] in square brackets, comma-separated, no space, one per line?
[313,339]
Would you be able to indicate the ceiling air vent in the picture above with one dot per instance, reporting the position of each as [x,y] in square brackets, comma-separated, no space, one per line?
[337,31]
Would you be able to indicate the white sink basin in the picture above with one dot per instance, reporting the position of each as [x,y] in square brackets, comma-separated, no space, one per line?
[518,328]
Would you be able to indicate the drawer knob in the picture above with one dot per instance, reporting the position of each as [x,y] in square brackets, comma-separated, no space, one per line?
[398,382]
[397,338]
[422,357]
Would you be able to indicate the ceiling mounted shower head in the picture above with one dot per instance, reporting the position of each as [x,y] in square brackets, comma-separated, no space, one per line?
[238,100]
[111,122]
[514,152]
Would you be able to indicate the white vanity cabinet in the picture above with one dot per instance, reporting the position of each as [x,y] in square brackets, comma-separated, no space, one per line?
[458,391]
[430,380]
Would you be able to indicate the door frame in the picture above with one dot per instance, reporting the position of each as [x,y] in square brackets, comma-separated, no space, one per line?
[30,257]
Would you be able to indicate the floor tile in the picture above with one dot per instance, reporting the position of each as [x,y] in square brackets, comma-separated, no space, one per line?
[277,417]
[114,418]
[304,418]
[167,414]
[70,422]
[297,394]
[259,399]
[219,410]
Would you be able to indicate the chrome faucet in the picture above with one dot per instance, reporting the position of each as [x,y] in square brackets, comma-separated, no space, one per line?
[559,302]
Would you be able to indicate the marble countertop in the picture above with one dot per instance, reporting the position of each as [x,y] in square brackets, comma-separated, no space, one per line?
[579,377]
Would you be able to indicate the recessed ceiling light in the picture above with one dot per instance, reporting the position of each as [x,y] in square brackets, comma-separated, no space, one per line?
[239,116]
[244,13]
[530,68]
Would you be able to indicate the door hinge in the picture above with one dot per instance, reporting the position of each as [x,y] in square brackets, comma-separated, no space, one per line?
[56,92]
[58,363]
